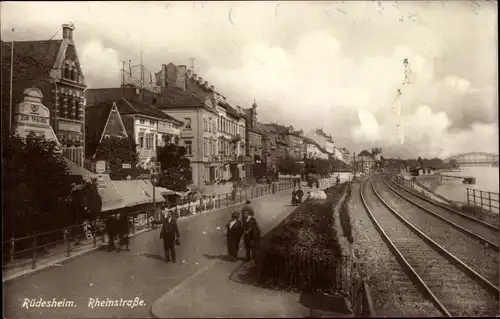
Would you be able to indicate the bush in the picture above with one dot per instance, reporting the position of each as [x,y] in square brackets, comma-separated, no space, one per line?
[345,219]
[302,252]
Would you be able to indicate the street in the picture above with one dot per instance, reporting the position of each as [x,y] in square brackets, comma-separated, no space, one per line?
[140,272]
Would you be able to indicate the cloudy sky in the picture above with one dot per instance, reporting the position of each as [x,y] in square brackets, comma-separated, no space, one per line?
[335,65]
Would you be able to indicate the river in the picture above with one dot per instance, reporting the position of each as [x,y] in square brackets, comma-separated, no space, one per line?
[453,189]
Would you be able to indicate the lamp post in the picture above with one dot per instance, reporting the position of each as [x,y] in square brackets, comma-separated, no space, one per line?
[11,79]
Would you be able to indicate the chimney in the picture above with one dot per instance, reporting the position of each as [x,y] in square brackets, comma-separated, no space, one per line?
[181,77]
[68,30]
[206,83]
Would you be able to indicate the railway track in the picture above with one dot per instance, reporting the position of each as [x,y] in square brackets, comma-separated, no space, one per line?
[485,232]
[463,244]
[453,288]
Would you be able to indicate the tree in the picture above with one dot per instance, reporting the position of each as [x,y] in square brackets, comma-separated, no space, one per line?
[175,168]
[36,182]
[454,163]
[318,166]
[289,166]
[117,151]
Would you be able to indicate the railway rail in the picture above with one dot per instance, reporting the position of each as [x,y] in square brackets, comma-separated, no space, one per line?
[448,211]
[454,288]
[471,227]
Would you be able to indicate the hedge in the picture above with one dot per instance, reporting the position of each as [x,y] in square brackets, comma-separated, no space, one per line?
[345,219]
[302,253]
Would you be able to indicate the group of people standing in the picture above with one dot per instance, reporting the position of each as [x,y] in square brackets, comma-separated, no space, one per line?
[297,195]
[248,228]
[117,228]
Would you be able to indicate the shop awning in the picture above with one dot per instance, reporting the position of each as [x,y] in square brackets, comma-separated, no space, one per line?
[136,192]
[165,192]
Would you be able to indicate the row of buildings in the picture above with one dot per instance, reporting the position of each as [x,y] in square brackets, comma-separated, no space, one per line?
[46,93]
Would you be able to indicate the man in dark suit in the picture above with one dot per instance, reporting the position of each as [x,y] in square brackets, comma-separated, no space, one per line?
[234,231]
[170,234]
[123,231]
[251,235]
[111,225]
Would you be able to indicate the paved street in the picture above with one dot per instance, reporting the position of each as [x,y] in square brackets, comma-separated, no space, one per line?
[140,272]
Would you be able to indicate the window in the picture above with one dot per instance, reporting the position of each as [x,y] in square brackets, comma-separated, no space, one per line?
[189,148]
[205,125]
[141,139]
[149,141]
[213,127]
[205,147]
[210,125]
[141,121]
[187,122]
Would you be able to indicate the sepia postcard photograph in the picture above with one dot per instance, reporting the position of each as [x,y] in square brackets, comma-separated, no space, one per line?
[250,159]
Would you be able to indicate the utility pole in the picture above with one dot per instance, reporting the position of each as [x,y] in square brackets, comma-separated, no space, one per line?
[11,80]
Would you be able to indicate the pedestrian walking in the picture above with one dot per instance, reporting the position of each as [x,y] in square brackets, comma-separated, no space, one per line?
[247,207]
[123,231]
[111,230]
[294,196]
[300,194]
[251,234]
[170,235]
[234,231]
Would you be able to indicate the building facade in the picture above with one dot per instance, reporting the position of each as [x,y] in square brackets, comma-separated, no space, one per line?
[346,155]
[313,151]
[322,139]
[198,138]
[54,69]
[295,143]
[149,127]
[275,146]
[221,128]
[146,125]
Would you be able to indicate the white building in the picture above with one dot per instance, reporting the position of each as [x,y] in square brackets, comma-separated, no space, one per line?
[322,140]
[313,151]
[149,128]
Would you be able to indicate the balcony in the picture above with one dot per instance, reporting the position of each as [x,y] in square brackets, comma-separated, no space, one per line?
[144,153]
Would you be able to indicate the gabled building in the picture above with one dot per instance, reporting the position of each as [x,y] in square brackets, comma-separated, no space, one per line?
[53,67]
[103,121]
[148,126]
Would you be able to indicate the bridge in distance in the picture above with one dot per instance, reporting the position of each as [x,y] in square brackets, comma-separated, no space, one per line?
[475,158]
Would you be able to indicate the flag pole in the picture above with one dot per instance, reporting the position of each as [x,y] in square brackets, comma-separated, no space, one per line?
[11,80]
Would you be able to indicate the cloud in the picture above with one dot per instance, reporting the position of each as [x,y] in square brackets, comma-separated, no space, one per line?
[308,64]
[100,65]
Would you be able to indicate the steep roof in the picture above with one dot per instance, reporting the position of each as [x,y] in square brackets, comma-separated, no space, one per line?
[130,107]
[44,52]
[96,117]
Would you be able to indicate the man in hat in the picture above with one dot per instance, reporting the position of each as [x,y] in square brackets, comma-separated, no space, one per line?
[170,235]
[251,235]
[234,231]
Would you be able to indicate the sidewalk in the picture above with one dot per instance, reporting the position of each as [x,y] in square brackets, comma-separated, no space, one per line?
[58,254]
[211,293]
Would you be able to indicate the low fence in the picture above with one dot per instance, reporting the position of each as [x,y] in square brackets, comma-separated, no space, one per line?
[484,199]
[220,201]
[28,251]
